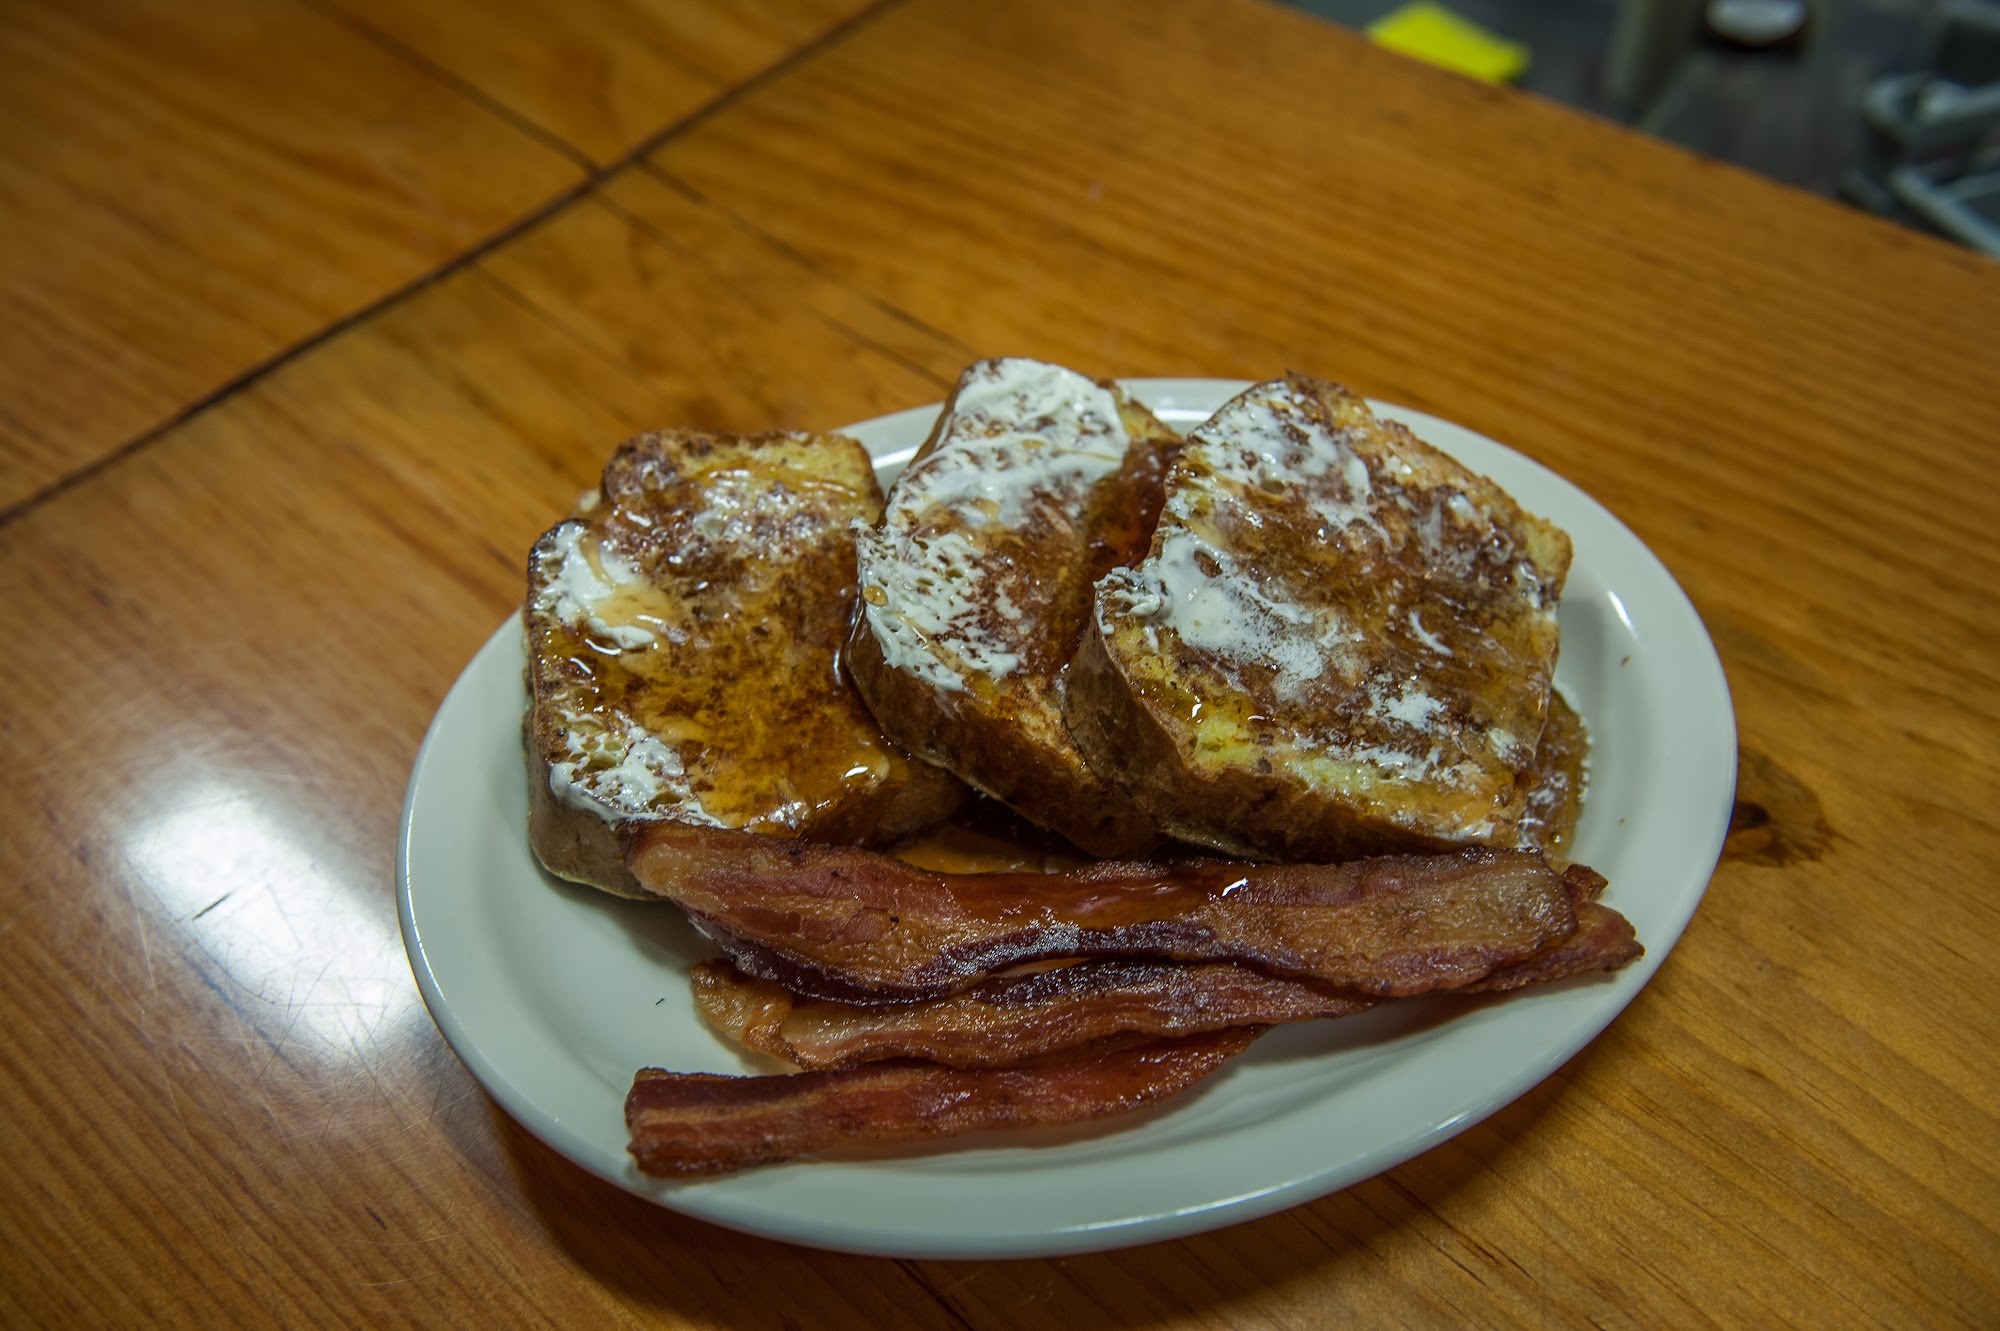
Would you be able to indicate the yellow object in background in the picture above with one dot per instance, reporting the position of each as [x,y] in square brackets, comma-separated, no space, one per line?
[1434,34]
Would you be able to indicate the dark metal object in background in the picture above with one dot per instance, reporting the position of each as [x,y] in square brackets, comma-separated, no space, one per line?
[1792,111]
[1933,153]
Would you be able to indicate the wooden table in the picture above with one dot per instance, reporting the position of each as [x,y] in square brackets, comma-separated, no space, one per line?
[312,315]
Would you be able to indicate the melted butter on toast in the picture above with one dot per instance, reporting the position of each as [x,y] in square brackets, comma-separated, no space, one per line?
[684,638]
[976,585]
[1020,448]
[1340,624]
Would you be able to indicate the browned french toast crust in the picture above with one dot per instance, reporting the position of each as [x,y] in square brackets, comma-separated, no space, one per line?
[976,587]
[684,630]
[1340,642]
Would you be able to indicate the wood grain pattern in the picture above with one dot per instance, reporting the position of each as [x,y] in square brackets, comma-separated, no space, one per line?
[208,991]
[744,312]
[187,190]
[601,75]
[226,1102]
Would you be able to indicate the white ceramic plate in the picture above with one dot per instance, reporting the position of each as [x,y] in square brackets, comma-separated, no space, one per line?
[555,995]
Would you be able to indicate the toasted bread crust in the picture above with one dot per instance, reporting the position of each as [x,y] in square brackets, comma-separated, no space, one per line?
[1034,482]
[684,630]
[572,843]
[1340,643]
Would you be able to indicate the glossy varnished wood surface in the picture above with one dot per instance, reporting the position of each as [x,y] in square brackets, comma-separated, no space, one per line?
[189,190]
[602,76]
[227,1105]
[229,1085]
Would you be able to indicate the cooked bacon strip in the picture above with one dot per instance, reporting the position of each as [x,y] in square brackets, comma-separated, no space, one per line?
[1603,941]
[1010,1018]
[844,923]
[1583,884]
[704,1123]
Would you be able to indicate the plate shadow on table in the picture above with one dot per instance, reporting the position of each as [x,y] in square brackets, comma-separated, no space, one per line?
[618,1239]
[623,1241]
[1311,1248]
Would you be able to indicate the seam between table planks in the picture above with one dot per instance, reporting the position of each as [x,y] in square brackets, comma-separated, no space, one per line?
[780,247]
[465,88]
[593,179]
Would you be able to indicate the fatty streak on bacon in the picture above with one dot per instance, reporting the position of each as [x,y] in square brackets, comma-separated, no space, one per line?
[1010,1018]
[843,923]
[706,1123]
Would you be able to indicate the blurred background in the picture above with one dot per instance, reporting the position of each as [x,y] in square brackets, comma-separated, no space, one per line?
[1890,105]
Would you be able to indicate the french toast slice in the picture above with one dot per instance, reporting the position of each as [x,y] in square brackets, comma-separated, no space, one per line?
[1341,642]
[976,585]
[684,630]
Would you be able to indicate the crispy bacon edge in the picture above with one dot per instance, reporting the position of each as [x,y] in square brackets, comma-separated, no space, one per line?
[694,1123]
[1011,1018]
[848,924]
[699,1123]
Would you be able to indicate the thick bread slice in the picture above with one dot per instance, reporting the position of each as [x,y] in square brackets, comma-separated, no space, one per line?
[1340,643]
[976,586]
[684,631]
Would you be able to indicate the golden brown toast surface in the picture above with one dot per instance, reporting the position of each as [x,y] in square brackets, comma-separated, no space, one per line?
[1341,641]
[684,630]
[977,584]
